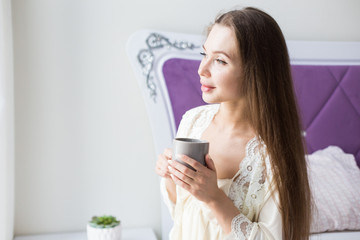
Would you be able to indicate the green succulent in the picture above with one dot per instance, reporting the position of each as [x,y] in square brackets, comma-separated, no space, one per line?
[104,222]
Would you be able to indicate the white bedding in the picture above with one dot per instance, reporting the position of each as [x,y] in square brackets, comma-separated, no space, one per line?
[337,236]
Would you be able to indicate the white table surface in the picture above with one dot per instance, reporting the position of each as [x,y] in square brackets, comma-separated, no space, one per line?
[127,234]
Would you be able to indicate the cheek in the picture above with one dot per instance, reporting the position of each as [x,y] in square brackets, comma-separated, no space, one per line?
[232,85]
[234,89]
[231,79]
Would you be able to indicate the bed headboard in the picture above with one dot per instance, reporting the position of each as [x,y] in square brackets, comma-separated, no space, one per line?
[326,78]
[328,98]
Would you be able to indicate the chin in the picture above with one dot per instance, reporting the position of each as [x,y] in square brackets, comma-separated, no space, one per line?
[209,99]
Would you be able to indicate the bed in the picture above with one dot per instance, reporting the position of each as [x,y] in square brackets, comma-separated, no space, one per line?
[326,78]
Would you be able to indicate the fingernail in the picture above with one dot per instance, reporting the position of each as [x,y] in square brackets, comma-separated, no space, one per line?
[169,161]
[170,168]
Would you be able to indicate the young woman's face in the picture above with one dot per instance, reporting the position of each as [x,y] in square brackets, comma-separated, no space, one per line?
[220,70]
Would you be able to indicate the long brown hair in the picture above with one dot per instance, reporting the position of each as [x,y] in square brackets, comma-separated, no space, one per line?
[268,88]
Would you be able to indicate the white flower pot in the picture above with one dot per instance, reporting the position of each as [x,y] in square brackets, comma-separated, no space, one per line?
[104,233]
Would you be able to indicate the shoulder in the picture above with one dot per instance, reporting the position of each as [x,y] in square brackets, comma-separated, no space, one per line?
[201,111]
[195,119]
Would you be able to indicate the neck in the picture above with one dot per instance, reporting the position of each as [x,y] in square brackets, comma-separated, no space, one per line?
[234,116]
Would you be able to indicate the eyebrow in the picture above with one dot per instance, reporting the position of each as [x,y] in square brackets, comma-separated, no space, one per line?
[224,53]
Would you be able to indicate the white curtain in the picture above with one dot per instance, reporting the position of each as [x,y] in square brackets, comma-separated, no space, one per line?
[6,123]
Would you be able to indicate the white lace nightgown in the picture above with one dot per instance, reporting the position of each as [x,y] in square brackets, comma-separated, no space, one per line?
[249,190]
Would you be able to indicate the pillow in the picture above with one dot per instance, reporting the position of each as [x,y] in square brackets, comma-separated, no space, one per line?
[334,180]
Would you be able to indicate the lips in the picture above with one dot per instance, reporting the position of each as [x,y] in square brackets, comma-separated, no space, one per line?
[206,88]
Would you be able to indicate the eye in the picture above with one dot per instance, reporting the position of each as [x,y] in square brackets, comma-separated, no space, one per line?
[220,61]
[203,54]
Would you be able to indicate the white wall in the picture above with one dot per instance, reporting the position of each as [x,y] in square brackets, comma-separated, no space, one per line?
[6,123]
[83,141]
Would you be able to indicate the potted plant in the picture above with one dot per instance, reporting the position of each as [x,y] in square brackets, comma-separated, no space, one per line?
[104,228]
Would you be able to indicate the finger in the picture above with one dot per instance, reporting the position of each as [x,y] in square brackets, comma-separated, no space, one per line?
[162,170]
[162,163]
[179,182]
[195,164]
[162,160]
[168,153]
[159,172]
[210,163]
[180,175]
[166,175]
[182,168]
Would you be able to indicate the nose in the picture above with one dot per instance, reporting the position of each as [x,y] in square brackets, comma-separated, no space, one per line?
[204,68]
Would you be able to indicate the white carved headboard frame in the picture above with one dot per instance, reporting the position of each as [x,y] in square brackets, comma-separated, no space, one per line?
[149,49]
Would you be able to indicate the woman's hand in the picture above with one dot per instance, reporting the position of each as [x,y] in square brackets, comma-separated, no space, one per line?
[162,164]
[162,169]
[201,183]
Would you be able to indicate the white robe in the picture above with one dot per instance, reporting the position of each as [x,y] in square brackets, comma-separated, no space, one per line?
[249,190]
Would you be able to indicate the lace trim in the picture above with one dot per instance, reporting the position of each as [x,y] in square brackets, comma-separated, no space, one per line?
[247,190]
[241,227]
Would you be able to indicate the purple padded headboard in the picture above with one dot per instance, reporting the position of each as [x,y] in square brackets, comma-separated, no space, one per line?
[328,97]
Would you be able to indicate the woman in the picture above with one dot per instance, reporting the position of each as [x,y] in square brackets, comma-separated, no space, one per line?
[255,185]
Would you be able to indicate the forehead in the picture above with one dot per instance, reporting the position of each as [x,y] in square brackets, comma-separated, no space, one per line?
[223,39]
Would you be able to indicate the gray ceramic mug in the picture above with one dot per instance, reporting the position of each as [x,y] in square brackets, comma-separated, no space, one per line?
[193,148]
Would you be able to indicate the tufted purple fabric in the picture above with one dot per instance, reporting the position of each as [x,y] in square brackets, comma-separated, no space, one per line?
[328,98]
[183,83]
[329,101]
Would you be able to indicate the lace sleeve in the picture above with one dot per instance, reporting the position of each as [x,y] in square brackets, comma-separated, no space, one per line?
[268,226]
[241,227]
